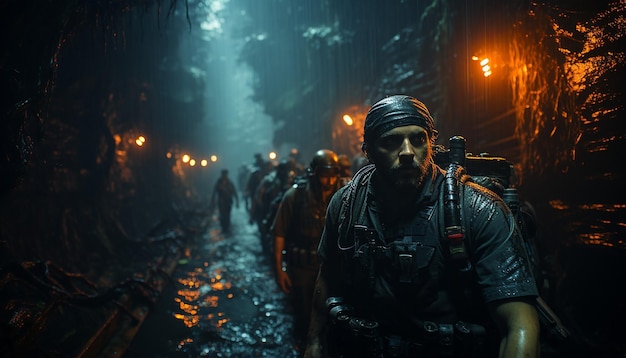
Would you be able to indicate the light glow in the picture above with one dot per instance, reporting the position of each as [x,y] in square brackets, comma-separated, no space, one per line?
[140,140]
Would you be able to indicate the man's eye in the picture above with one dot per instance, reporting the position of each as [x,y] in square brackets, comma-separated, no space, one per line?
[389,142]
[418,140]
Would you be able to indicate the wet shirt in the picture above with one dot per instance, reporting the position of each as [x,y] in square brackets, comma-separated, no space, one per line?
[423,288]
[225,192]
[300,218]
[268,188]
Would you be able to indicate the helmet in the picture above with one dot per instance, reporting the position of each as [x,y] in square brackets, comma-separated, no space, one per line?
[284,171]
[345,165]
[324,164]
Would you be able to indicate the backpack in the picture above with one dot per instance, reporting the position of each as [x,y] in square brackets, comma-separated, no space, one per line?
[300,185]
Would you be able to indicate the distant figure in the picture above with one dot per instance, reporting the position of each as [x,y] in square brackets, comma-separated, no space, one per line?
[256,174]
[297,229]
[242,178]
[224,192]
[345,169]
[294,161]
[267,199]
[359,162]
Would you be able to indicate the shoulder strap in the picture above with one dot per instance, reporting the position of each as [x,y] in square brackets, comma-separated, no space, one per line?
[352,200]
[451,196]
[299,194]
[453,228]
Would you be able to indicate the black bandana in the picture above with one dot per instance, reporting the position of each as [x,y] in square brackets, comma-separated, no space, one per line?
[396,111]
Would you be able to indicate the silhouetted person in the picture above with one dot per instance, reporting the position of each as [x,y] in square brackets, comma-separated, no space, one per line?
[294,162]
[225,193]
[345,169]
[267,198]
[257,172]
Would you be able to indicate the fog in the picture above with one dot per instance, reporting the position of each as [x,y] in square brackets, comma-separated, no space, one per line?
[236,126]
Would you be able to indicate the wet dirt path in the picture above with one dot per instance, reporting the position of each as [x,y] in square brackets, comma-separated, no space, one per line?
[223,302]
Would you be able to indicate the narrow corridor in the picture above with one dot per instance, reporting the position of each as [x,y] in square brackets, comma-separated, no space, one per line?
[222,302]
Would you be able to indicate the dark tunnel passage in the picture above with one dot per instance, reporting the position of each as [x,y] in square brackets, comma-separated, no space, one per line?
[118,118]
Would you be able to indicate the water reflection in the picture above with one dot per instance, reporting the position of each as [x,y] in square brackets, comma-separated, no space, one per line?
[227,300]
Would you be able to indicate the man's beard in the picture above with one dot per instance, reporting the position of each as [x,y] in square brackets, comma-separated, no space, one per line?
[408,177]
[409,182]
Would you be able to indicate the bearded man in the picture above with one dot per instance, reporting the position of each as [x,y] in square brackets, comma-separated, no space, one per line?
[387,285]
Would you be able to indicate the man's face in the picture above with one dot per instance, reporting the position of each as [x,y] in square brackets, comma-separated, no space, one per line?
[402,155]
[328,183]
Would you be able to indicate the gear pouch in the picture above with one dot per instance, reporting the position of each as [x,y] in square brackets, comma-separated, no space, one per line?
[411,260]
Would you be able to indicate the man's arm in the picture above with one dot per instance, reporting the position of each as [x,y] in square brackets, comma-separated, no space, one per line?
[316,344]
[284,217]
[501,264]
[256,200]
[327,284]
[233,190]
[282,278]
[518,324]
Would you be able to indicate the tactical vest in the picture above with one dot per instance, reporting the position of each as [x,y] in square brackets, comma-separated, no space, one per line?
[411,258]
[307,223]
[403,255]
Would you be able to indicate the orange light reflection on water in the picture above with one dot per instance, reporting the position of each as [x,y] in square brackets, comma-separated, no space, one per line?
[217,284]
[190,298]
[189,295]
[220,322]
[187,308]
[184,342]
[188,320]
[220,286]
[211,301]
